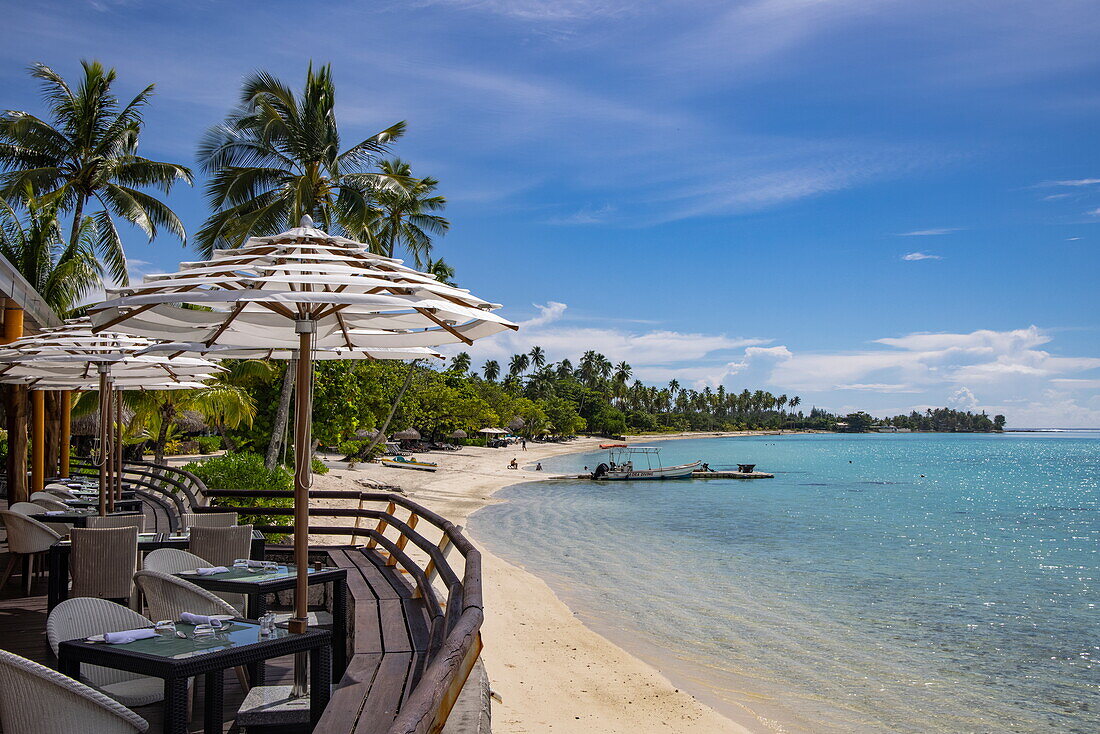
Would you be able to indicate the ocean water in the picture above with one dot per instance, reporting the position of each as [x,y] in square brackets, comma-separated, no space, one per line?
[850,593]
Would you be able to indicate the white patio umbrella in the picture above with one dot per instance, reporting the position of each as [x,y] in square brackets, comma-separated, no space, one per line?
[297,292]
[71,357]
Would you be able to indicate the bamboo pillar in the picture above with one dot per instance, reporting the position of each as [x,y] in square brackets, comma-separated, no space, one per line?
[66,432]
[38,440]
[16,396]
[53,433]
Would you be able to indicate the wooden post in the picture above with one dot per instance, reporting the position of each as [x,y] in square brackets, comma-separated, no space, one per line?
[16,412]
[53,432]
[102,458]
[380,528]
[118,444]
[66,431]
[38,440]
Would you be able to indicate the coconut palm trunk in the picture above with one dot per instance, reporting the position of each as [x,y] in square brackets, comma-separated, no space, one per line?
[282,415]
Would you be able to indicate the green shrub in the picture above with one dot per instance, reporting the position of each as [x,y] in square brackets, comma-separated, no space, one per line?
[350,448]
[318,466]
[208,444]
[247,471]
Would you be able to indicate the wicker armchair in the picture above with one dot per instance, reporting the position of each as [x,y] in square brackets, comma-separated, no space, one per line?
[26,538]
[174,560]
[37,700]
[58,490]
[48,501]
[118,521]
[103,561]
[169,596]
[29,508]
[78,618]
[221,546]
[208,519]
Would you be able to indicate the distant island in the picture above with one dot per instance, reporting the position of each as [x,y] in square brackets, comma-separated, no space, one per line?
[940,420]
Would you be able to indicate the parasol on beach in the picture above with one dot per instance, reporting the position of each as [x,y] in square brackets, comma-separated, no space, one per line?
[293,294]
[459,434]
[409,434]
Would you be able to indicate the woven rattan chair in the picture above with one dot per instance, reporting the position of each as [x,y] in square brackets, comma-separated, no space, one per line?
[75,619]
[208,519]
[118,521]
[221,546]
[103,561]
[174,560]
[169,596]
[29,508]
[48,501]
[26,538]
[59,491]
[37,700]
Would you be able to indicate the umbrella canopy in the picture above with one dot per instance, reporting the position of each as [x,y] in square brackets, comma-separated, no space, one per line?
[493,431]
[300,291]
[459,434]
[409,434]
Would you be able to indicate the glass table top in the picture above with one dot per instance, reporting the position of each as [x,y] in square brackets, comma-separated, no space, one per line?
[166,644]
[248,576]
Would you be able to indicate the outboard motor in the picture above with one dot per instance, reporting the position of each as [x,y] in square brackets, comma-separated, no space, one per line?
[600,471]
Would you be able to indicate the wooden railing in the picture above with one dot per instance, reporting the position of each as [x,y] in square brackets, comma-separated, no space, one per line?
[172,490]
[455,622]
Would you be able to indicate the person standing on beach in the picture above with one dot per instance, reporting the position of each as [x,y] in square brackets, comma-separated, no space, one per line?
[523,443]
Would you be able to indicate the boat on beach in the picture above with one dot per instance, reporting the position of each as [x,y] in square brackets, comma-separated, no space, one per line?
[403,462]
[625,463]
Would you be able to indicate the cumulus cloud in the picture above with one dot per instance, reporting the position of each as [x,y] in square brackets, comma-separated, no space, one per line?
[915,256]
[562,337]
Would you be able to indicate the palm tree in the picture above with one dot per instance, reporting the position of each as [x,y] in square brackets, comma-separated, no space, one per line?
[277,157]
[491,370]
[460,363]
[538,357]
[405,217]
[518,365]
[62,272]
[565,369]
[442,271]
[86,152]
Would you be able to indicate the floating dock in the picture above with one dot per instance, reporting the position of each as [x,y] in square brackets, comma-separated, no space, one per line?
[699,474]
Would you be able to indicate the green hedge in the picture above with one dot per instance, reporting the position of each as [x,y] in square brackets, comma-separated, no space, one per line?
[247,471]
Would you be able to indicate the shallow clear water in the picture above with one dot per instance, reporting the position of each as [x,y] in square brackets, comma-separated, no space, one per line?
[848,594]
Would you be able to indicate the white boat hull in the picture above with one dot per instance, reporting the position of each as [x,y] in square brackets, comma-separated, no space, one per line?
[409,465]
[683,471]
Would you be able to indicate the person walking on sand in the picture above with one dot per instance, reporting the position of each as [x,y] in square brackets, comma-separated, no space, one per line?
[523,443]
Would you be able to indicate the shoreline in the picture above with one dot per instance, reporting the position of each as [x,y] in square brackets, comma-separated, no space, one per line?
[552,671]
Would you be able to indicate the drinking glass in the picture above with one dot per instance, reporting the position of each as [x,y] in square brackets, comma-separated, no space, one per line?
[240,563]
[271,567]
[165,626]
[203,631]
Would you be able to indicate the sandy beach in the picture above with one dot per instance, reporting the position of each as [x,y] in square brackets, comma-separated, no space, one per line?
[552,673]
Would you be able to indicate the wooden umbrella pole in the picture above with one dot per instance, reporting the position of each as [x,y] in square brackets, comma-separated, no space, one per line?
[66,431]
[303,443]
[118,444]
[103,418]
[109,447]
[38,440]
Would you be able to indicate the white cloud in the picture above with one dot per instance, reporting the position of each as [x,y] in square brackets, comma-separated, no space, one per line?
[1094,212]
[1074,182]
[1072,239]
[963,399]
[540,10]
[914,256]
[934,232]
[585,215]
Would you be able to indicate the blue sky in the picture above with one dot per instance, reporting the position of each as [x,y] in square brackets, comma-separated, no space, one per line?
[872,204]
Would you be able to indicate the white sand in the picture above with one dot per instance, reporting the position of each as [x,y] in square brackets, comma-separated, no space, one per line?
[553,673]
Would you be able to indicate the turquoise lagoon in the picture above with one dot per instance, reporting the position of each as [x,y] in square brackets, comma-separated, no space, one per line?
[880,583]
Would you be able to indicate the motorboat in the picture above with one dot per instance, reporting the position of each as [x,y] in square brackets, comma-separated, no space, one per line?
[640,462]
[404,462]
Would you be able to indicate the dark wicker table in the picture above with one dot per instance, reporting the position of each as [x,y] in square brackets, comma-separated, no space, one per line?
[175,660]
[256,585]
[58,558]
[125,505]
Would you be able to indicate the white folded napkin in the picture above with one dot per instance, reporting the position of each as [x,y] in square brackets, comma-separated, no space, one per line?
[125,636]
[211,571]
[200,619]
[255,564]
[57,512]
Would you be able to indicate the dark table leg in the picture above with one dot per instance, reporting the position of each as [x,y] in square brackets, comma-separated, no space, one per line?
[339,628]
[67,666]
[175,706]
[53,563]
[256,605]
[212,710]
[320,673]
